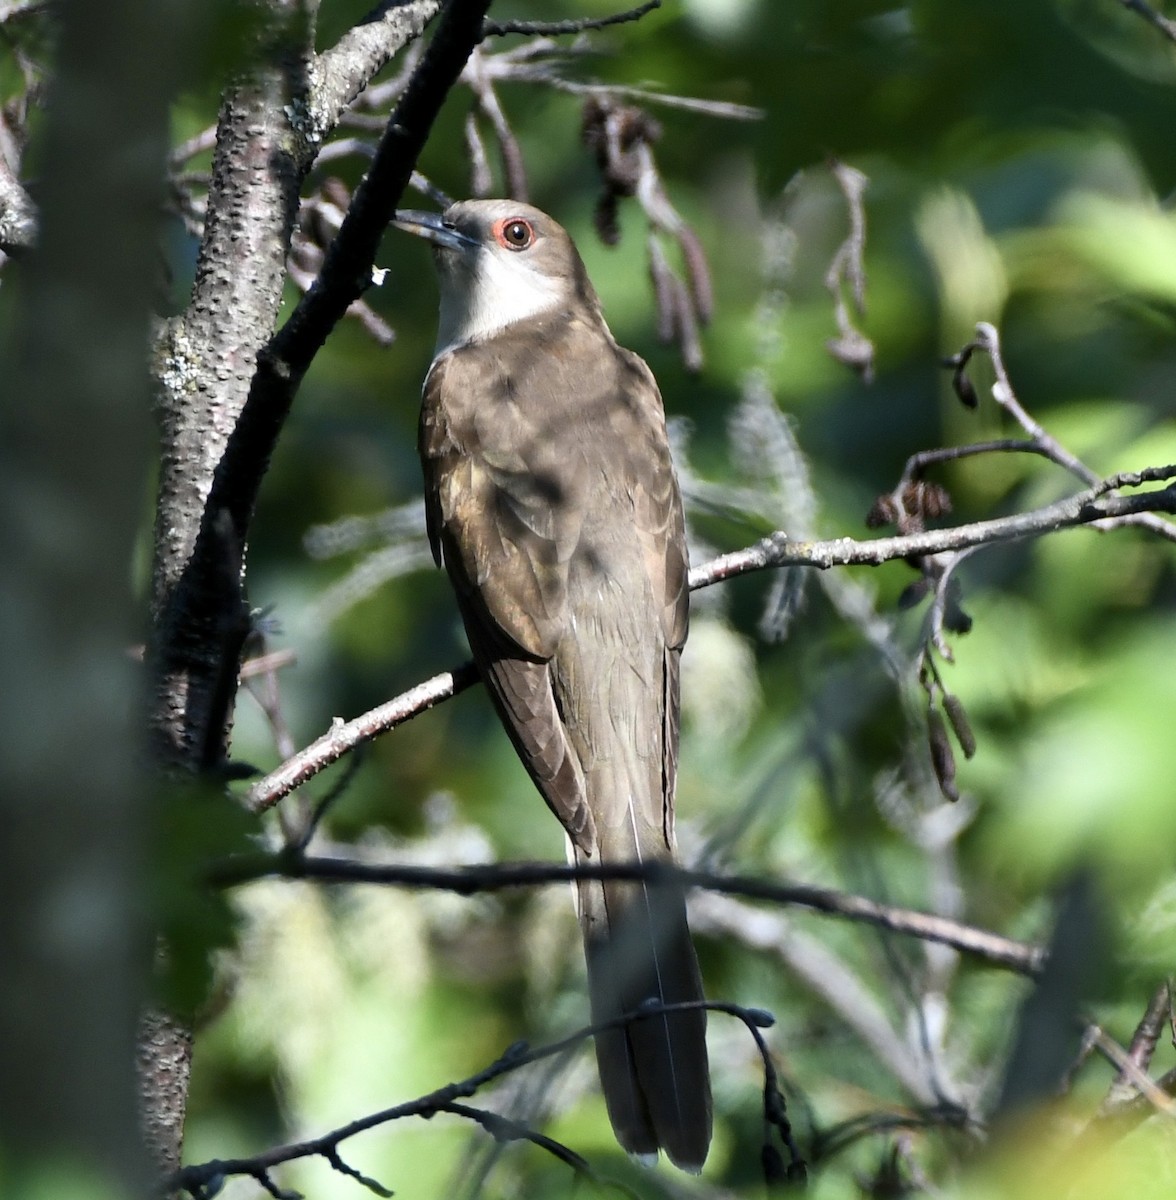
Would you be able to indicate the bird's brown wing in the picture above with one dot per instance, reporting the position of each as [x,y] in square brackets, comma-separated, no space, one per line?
[500,518]
[657,507]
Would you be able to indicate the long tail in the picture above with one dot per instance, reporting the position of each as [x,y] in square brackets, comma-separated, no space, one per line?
[654,1071]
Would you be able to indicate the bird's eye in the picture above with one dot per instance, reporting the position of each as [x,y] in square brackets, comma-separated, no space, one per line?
[515,234]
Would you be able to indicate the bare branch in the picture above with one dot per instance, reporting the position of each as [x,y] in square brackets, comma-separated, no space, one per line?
[722,109]
[1164,24]
[481,180]
[1085,508]
[1143,1046]
[824,973]
[193,590]
[778,550]
[504,1129]
[200,143]
[848,270]
[343,71]
[1156,1095]
[999,951]
[559,28]
[514,169]
[1124,1116]
[197,1179]
[346,271]
[829,1142]
[343,736]
[987,341]
[18,213]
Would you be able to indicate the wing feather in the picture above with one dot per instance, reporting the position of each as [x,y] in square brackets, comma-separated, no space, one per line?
[505,535]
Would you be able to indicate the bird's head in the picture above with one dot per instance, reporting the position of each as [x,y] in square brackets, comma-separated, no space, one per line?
[499,263]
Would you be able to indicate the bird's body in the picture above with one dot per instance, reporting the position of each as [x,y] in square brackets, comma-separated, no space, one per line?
[552,501]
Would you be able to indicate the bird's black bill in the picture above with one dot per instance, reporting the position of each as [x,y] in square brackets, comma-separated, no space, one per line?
[433,228]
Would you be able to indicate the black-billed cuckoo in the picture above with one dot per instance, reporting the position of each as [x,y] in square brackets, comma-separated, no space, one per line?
[552,501]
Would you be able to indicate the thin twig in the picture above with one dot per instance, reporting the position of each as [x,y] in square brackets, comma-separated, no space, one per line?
[987,341]
[506,1129]
[848,269]
[1122,1117]
[1143,1046]
[344,736]
[1128,1069]
[560,28]
[514,169]
[823,972]
[1164,24]
[197,1178]
[200,143]
[830,1142]
[723,110]
[918,463]
[1085,508]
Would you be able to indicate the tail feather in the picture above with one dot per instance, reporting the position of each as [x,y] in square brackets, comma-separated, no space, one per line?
[654,1071]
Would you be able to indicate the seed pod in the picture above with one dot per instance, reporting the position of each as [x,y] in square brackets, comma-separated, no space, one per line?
[964,389]
[942,758]
[954,617]
[927,499]
[882,512]
[960,724]
[914,592]
[775,1173]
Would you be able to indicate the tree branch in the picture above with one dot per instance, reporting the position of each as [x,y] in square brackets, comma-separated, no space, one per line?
[1164,24]
[825,974]
[197,1179]
[343,71]
[344,736]
[1085,508]
[346,271]
[18,213]
[775,551]
[493,877]
[987,341]
[198,593]
[558,28]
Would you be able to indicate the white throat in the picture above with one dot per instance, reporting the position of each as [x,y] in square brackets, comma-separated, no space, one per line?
[498,294]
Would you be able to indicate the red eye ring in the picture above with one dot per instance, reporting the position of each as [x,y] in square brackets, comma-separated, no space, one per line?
[514,233]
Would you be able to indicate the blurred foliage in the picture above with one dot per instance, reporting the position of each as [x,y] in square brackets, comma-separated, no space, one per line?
[1020,157]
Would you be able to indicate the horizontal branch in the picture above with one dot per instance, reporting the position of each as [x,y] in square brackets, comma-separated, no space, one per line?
[1085,508]
[778,550]
[560,28]
[493,877]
